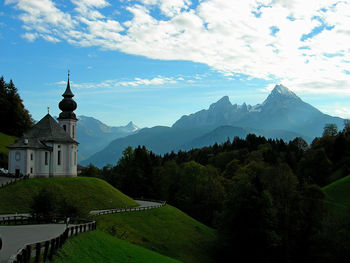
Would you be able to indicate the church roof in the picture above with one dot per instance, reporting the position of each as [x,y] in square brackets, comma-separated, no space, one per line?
[46,130]
[32,143]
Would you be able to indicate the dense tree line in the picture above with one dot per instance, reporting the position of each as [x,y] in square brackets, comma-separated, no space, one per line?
[14,117]
[262,195]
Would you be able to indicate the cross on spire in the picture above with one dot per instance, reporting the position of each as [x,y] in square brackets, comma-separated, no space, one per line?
[48,110]
[68,73]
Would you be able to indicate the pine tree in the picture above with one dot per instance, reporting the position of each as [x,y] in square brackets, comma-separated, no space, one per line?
[13,115]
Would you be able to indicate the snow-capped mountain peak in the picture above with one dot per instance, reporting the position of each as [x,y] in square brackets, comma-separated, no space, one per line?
[280,93]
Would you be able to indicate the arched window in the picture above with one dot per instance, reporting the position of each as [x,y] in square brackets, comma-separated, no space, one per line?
[65,127]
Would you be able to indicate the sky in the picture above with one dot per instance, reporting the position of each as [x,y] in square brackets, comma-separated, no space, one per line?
[152,61]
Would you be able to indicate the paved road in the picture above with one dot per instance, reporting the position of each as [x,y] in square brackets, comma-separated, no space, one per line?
[146,203]
[15,237]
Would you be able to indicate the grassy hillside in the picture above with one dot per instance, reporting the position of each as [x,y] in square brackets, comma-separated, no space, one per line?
[166,230]
[98,246]
[5,140]
[338,192]
[84,192]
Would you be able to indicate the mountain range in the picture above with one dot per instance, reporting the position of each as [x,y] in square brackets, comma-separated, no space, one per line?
[93,135]
[282,115]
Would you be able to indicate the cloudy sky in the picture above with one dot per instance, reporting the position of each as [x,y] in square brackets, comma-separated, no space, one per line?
[152,61]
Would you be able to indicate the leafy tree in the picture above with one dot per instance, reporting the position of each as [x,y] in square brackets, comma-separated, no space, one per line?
[247,224]
[330,129]
[90,171]
[66,208]
[44,204]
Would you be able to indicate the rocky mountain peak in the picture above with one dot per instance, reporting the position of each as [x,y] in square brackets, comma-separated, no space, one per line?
[279,93]
[221,104]
[131,126]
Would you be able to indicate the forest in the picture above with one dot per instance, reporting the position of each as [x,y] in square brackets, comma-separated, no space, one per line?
[264,196]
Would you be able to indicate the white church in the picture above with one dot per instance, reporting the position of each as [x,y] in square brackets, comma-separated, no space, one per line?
[49,149]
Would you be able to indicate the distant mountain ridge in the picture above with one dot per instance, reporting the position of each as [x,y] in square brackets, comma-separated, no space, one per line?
[283,115]
[282,110]
[93,135]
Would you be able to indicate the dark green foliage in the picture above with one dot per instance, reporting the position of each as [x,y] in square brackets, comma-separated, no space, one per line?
[47,204]
[13,115]
[263,195]
[330,129]
[44,204]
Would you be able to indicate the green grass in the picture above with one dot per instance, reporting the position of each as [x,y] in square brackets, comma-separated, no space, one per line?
[338,198]
[84,192]
[165,230]
[5,140]
[338,192]
[98,246]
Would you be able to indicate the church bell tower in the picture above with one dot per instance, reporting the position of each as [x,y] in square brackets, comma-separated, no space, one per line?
[67,118]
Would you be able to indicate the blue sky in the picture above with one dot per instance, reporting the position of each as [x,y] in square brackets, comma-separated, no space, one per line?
[152,61]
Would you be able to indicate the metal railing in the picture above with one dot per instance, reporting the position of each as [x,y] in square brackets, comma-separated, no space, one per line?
[121,210]
[44,250]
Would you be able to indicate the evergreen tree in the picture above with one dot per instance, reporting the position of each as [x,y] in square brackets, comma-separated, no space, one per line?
[13,115]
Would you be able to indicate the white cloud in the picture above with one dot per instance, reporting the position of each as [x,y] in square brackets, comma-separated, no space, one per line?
[136,82]
[30,36]
[169,8]
[232,37]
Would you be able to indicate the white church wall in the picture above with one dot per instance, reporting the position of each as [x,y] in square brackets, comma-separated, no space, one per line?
[17,160]
[42,163]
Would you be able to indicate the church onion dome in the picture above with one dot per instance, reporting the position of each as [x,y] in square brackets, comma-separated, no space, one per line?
[67,104]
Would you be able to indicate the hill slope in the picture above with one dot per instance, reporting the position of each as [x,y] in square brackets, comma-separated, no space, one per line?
[166,230]
[153,138]
[5,140]
[84,192]
[338,192]
[97,246]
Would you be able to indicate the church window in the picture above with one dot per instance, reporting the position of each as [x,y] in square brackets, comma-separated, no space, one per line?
[18,156]
[73,131]
[75,158]
[31,156]
[65,127]
[31,170]
[59,158]
[46,158]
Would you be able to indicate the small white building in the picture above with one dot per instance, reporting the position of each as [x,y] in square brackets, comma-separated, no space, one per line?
[49,149]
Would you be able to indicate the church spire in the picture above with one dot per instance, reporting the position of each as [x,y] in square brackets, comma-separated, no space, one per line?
[68,93]
[67,104]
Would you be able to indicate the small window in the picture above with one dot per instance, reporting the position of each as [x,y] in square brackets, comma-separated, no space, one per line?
[73,131]
[75,158]
[65,127]
[31,156]
[58,146]
[59,158]
[46,158]
[31,170]
[18,156]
